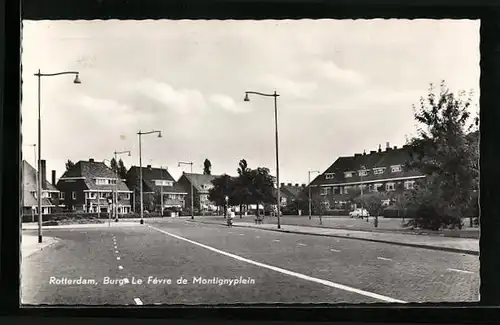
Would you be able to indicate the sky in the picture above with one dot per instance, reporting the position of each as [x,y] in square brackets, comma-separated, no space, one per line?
[345,86]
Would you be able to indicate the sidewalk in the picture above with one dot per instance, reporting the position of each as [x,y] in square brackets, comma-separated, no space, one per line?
[34,226]
[457,245]
[30,245]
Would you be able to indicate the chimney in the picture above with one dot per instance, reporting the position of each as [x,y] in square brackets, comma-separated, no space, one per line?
[395,147]
[379,148]
[372,152]
[44,175]
[296,185]
[91,159]
[54,177]
[289,184]
[387,145]
[149,166]
[303,185]
[364,152]
[282,184]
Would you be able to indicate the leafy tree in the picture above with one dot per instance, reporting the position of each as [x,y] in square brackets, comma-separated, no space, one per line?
[223,186]
[442,152]
[207,167]
[114,165]
[69,165]
[242,193]
[373,203]
[122,170]
[262,187]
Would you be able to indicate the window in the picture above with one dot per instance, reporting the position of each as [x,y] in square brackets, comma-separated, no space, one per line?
[92,195]
[100,181]
[409,185]
[396,168]
[323,191]
[389,187]
[73,195]
[348,174]
[379,170]
[329,176]
[204,197]
[61,195]
[126,196]
[363,172]
[103,195]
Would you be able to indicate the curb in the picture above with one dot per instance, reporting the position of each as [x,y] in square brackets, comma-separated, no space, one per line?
[436,248]
[54,242]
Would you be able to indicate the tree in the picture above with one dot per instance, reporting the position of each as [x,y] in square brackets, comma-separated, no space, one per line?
[242,193]
[207,167]
[262,187]
[441,151]
[69,165]
[122,170]
[114,165]
[223,186]
[373,203]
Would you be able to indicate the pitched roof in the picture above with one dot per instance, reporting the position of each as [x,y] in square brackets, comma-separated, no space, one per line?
[200,179]
[91,170]
[292,191]
[29,177]
[150,174]
[368,161]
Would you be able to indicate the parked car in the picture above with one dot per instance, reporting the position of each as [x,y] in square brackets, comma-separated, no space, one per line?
[359,213]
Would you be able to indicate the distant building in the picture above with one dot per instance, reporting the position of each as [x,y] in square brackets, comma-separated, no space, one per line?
[89,186]
[155,182]
[51,197]
[366,171]
[201,185]
[290,193]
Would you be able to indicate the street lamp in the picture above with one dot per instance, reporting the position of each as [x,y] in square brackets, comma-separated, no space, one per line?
[39,185]
[115,196]
[310,200]
[140,166]
[192,197]
[275,95]
[363,168]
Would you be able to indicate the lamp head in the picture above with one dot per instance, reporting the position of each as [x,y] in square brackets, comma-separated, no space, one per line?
[247,99]
[77,79]
[129,153]
[159,134]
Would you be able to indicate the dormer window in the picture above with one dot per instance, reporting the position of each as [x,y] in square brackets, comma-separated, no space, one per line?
[329,176]
[378,170]
[105,181]
[348,174]
[395,168]
[363,172]
[163,182]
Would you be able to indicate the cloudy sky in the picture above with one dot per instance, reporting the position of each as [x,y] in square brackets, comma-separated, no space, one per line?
[345,86]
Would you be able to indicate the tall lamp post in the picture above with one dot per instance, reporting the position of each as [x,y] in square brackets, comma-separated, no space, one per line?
[192,196]
[363,168]
[310,199]
[115,197]
[275,95]
[39,185]
[140,134]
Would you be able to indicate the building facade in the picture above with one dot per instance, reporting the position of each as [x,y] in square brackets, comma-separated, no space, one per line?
[51,197]
[365,173]
[289,193]
[156,183]
[91,186]
[201,186]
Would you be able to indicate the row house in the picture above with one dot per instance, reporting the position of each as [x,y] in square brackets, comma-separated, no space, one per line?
[290,193]
[366,172]
[201,185]
[91,186]
[156,182]
[52,198]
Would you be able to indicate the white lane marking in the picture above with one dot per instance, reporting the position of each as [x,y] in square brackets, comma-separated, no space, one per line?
[276,240]
[334,250]
[118,258]
[384,259]
[461,271]
[230,232]
[120,267]
[116,252]
[300,244]
[116,247]
[287,272]
[138,301]
[242,234]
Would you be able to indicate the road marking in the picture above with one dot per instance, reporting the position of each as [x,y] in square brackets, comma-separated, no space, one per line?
[384,259]
[116,247]
[138,301]
[242,234]
[334,250]
[230,232]
[300,244]
[257,236]
[276,240]
[461,271]
[116,252]
[120,267]
[118,258]
[287,272]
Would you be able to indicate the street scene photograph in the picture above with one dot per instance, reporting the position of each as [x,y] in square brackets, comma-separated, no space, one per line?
[203,162]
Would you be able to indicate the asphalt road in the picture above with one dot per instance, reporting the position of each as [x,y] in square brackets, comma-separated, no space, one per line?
[272,267]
